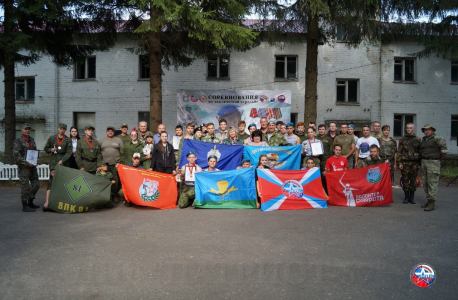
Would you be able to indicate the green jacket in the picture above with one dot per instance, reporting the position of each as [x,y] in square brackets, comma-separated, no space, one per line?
[229,142]
[243,136]
[128,149]
[63,154]
[124,139]
[368,161]
[388,148]
[327,146]
[87,157]
[107,175]
[302,136]
[277,139]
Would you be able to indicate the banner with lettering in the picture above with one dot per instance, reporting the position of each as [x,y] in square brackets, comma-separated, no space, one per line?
[209,106]
[75,191]
[148,188]
[369,186]
[278,157]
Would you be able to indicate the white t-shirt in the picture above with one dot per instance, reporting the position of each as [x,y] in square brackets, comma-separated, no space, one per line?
[364,145]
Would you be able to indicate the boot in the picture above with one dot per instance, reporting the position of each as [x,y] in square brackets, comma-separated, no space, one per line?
[407,197]
[26,208]
[430,206]
[31,205]
[426,204]
[411,200]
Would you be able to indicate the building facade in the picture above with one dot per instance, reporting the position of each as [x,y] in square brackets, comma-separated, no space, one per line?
[355,85]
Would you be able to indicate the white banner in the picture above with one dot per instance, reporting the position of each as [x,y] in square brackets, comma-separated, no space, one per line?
[209,106]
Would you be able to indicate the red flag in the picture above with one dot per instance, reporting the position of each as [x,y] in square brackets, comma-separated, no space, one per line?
[370,186]
[148,188]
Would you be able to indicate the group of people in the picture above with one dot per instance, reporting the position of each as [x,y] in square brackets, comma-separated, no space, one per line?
[330,151]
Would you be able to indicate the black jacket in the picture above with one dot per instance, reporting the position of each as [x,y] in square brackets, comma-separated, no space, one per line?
[161,158]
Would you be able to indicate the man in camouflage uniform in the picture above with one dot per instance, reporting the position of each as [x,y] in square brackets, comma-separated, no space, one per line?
[300,131]
[374,158]
[124,136]
[376,130]
[409,162]
[210,137]
[88,152]
[26,171]
[142,131]
[273,137]
[327,146]
[59,146]
[433,149]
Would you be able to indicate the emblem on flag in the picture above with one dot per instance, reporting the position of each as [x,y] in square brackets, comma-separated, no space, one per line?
[215,152]
[374,175]
[149,190]
[222,188]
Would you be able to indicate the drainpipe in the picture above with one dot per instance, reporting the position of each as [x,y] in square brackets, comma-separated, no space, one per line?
[56,97]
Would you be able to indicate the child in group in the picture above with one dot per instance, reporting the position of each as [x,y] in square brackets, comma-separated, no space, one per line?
[48,189]
[262,164]
[336,162]
[188,174]
[212,160]
[309,163]
[147,150]
[246,163]
[103,167]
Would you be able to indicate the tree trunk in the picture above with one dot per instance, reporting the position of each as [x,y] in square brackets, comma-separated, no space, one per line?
[155,60]
[10,104]
[311,70]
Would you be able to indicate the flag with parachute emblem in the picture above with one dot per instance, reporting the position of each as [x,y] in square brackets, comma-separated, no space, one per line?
[291,189]
[226,189]
[148,188]
[75,191]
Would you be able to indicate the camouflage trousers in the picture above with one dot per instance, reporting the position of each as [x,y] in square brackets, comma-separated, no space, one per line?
[28,178]
[409,175]
[360,162]
[430,170]
[187,195]
[351,162]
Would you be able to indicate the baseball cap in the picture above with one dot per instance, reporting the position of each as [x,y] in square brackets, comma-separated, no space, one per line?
[124,125]
[136,154]
[110,127]
[89,127]
[26,125]
[62,125]
[101,163]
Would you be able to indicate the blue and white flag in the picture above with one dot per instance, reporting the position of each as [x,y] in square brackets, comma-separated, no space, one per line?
[226,189]
[229,156]
[279,157]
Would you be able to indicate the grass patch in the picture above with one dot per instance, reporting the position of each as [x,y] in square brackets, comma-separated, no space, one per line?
[449,171]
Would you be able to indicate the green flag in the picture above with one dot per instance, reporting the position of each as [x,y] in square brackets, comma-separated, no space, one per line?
[75,191]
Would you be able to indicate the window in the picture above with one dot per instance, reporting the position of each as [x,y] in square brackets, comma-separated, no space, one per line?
[400,122]
[143,66]
[143,116]
[83,119]
[85,68]
[24,89]
[218,66]
[342,35]
[404,69]
[347,91]
[454,131]
[455,71]
[285,67]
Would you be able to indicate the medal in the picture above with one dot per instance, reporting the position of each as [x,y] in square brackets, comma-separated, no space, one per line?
[59,147]
[28,142]
[60,142]
[191,168]
[90,145]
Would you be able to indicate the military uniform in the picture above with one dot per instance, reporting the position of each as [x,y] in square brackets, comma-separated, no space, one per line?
[276,139]
[377,135]
[302,136]
[368,161]
[125,138]
[211,139]
[64,150]
[128,150]
[141,138]
[108,176]
[388,150]
[88,154]
[222,135]
[243,136]
[409,157]
[327,153]
[188,193]
[430,150]
[26,174]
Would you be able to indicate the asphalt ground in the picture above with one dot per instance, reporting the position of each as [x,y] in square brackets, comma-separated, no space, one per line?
[141,253]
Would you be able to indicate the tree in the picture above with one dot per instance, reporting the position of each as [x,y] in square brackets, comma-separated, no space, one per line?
[360,20]
[63,30]
[175,33]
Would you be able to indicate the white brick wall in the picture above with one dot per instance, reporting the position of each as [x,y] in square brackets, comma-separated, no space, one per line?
[117,95]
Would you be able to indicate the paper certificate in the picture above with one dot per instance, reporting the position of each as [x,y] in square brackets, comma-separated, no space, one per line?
[316,149]
[176,142]
[190,175]
[32,157]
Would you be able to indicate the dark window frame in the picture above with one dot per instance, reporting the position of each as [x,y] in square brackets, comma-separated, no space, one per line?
[399,123]
[143,69]
[454,127]
[220,73]
[454,72]
[284,60]
[85,68]
[401,72]
[345,82]
[28,89]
